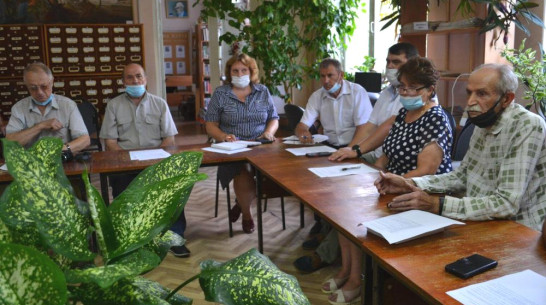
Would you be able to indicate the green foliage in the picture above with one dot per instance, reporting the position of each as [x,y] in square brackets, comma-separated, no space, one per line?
[235,282]
[23,266]
[367,65]
[500,13]
[283,35]
[131,236]
[532,72]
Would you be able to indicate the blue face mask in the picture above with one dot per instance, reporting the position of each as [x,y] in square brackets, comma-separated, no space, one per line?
[334,88]
[412,102]
[135,91]
[45,103]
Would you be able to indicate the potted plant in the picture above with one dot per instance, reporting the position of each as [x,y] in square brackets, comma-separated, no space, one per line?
[286,36]
[57,249]
[531,71]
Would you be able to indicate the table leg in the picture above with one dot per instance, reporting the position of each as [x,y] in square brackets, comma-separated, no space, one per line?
[367,279]
[104,189]
[259,207]
[378,282]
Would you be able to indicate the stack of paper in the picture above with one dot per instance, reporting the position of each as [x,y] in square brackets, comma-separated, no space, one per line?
[317,138]
[409,225]
[229,145]
[311,149]
[149,154]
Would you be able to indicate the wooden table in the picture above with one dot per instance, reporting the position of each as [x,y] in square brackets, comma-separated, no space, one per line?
[347,201]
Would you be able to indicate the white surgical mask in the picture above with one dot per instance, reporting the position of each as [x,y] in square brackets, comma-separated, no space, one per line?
[391,75]
[240,81]
[334,88]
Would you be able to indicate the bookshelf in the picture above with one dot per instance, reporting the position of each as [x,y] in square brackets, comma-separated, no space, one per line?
[203,63]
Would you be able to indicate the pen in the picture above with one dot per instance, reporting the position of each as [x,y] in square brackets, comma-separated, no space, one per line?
[352,167]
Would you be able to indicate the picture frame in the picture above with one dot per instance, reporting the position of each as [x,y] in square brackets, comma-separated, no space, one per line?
[176,8]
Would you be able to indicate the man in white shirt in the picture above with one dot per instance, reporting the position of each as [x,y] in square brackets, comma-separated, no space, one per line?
[370,137]
[341,106]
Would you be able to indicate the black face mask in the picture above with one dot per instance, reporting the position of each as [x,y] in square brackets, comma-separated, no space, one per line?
[487,118]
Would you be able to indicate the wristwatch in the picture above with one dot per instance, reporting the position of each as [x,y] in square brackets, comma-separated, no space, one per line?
[67,147]
[356,148]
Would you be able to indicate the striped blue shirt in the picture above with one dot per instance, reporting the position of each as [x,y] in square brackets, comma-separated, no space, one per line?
[247,120]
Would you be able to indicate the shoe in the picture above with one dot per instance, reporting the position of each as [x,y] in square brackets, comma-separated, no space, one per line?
[316,228]
[331,285]
[235,212]
[313,243]
[180,251]
[309,263]
[248,226]
[341,297]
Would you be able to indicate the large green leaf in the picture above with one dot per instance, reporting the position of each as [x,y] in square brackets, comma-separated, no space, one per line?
[249,279]
[28,277]
[132,291]
[102,222]
[138,215]
[161,244]
[51,206]
[131,265]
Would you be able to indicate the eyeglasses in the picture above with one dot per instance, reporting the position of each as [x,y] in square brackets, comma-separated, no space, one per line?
[408,90]
[40,87]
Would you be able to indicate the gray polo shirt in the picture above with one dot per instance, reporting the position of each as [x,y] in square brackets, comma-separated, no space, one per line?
[25,114]
[142,126]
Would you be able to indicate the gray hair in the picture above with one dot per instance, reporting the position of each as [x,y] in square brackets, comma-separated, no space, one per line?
[325,63]
[508,81]
[37,67]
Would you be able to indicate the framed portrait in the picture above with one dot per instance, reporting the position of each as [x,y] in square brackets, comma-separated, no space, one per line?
[176,8]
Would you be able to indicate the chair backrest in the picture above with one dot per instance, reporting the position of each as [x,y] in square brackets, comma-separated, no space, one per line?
[371,81]
[90,117]
[452,123]
[463,141]
[293,114]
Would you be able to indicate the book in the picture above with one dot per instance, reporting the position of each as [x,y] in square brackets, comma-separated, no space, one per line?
[405,226]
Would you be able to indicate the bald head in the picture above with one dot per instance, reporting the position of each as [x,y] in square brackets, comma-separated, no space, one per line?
[133,74]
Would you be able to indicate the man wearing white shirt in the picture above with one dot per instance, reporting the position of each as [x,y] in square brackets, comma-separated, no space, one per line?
[341,106]
[370,138]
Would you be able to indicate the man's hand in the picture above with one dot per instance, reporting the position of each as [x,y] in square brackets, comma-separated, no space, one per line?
[416,200]
[51,124]
[268,136]
[230,138]
[305,137]
[343,153]
[388,183]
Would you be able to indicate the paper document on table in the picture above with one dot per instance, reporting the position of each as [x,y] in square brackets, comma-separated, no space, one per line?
[148,154]
[236,145]
[523,288]
[408,225]
[317,138]
[227,152]
[4,167]
[311,149]
[342,170]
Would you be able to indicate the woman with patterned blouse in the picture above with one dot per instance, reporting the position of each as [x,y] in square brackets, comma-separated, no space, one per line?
[418,144]
[241,110]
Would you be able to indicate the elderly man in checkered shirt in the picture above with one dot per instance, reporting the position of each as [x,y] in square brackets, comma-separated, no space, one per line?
[502,176]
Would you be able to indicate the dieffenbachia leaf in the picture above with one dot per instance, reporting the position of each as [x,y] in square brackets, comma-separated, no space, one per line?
[48,152]
[161,244]
[138,215]
[131,291]
[131,265]
[49,204]
[28,277]
[102,222]
[5,235]
[250,278]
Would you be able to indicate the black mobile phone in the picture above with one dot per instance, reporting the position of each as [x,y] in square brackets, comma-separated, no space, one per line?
[318,154]
[470,266]
[264,141]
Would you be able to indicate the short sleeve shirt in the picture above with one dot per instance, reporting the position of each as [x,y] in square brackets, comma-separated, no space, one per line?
[339,116]
[25,114]
[406,140]
[248,120]
[142,126]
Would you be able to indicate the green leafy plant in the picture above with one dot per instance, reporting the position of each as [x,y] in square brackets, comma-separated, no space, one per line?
[287,37]
[366,66]
[57,249]
[500,14]
[532,72]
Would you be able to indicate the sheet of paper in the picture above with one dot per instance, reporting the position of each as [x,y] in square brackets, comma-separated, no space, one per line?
[408,225]
[227,152]
[148,154]
[317,138]
[4,167]
[310,149]
[342,170]
[523,288]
